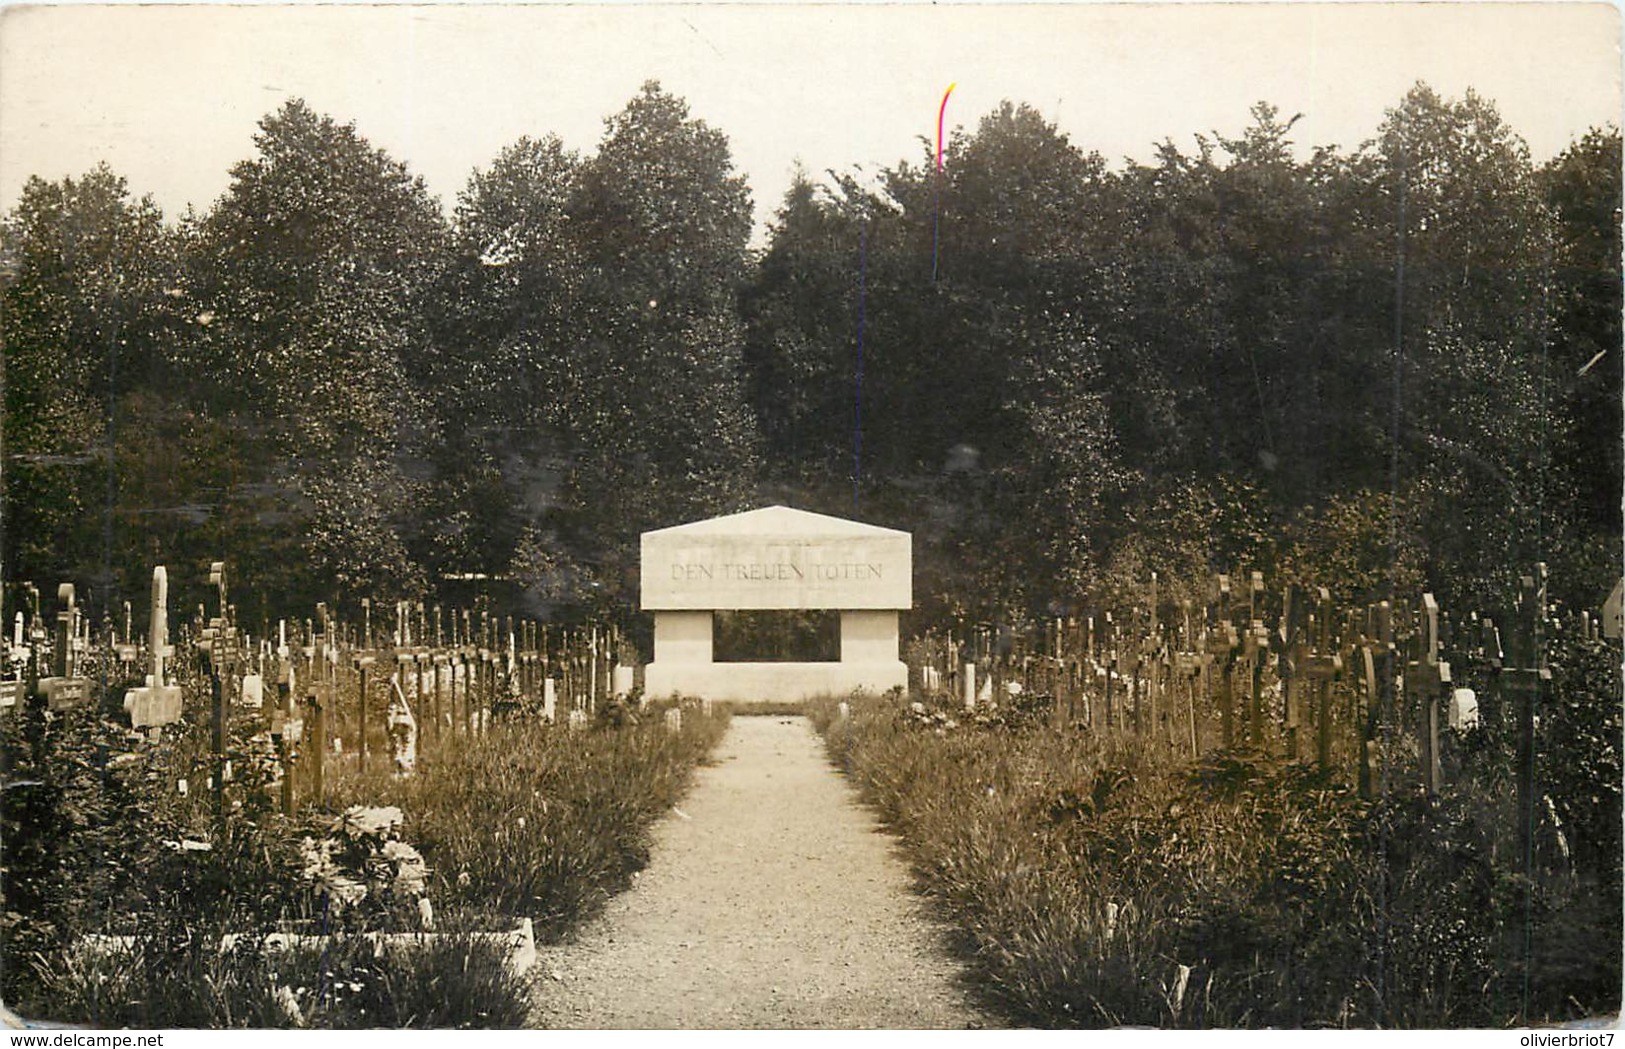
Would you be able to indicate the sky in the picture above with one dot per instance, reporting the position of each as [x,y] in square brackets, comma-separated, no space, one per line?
[169,96]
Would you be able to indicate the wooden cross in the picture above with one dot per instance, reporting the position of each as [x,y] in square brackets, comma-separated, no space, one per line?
[1524,677]
[64,688]
[1378,666]
[364,657]
[1322,664]
[219,641]
[1290,647]
[1255,647]
[1427,678]
[1191,661]
[1222,644]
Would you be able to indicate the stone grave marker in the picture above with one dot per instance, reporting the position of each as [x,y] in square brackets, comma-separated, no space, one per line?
[1464,717]
[159,703]
[403,731]
[125,646]
[1613,612]
[17,655]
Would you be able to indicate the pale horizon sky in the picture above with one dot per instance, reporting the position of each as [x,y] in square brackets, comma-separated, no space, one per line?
[169,96]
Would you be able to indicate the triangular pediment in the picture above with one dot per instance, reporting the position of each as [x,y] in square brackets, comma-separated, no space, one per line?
[779,521]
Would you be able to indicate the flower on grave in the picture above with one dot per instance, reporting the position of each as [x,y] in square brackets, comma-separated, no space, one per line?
[405,869]
[323,871]
[288,1002]
[364,821]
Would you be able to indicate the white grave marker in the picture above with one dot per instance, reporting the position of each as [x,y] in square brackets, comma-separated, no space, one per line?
[158,703]
[1464,715]
[1613,612]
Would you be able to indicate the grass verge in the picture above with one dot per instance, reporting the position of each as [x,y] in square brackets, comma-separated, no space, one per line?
[1094,885]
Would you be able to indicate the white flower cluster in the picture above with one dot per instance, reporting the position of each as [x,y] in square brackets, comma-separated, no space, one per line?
[361,854]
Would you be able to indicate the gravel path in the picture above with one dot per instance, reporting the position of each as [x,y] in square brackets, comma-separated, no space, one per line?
[772,900]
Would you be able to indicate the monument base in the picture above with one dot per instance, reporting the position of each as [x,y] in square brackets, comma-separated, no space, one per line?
[746,683]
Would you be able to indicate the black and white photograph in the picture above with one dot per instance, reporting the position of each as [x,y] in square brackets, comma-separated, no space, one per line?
[845,517]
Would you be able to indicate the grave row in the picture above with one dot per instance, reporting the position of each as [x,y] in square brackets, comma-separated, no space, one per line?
[323,689]
[1344,688]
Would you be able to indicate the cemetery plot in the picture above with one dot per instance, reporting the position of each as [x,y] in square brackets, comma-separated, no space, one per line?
[1258,811]
[318,804]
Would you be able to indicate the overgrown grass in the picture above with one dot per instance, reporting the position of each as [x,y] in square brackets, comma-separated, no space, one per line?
[526,821]
[453,981]
[541,821]
[1096,885]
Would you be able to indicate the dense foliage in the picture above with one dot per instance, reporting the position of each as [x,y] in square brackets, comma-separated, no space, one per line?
[1070,373]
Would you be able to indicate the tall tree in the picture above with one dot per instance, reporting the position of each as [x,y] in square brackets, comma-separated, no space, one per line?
[651,390]
[503,323]
[801,313]
[1470,379]
[85,318]
[592,351]
[1582,189]
[311,272]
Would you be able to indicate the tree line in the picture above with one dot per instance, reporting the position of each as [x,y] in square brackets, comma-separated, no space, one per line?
[1392,366]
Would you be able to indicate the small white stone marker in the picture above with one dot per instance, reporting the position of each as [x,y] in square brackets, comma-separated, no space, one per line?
[1464,715]
[403,730]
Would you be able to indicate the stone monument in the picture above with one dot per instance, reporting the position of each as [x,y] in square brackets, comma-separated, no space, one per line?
[784,559]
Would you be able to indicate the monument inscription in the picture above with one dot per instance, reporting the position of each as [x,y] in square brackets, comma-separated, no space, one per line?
[858,567]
